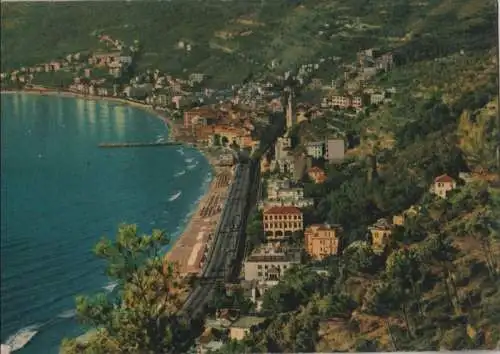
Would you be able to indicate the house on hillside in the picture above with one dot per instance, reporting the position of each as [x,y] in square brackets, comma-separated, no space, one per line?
[380,232]
[401,218]
[322,240]
[442,185]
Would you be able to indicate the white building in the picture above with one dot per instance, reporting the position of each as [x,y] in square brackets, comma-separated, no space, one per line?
[298,203]
[376,98]
[270,263]
[334,149]
[315,149]
[285,165]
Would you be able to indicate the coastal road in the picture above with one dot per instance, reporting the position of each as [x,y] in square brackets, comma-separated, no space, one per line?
[229,229]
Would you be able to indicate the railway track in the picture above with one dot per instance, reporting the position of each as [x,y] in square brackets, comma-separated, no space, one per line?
[226,235]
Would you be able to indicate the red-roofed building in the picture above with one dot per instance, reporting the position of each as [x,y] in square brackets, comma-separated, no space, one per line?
[442,185]
[280,222]
[317,174]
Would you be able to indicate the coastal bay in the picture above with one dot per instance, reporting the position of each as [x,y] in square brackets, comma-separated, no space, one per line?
[51,166]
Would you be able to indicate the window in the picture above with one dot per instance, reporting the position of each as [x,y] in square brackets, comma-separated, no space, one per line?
[259,266]
[266,266]
[259,274]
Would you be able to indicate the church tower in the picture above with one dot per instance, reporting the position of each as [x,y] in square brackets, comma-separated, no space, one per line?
[291,117]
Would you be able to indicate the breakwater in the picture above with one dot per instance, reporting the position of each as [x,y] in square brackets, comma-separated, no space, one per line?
[125,145]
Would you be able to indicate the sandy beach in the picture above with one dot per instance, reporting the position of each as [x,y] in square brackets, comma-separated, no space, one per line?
[190,248]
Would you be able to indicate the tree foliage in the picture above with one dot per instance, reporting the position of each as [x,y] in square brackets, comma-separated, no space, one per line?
[143,316]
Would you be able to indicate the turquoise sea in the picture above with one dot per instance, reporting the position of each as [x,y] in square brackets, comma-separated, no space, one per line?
[60,193]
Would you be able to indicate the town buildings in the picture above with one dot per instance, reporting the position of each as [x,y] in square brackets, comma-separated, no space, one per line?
[280,222]
[282,147]
[322,240]
[315,149]
[342,101]
[269,263]
[291,116]
[284,193]
[199,116]
[334,150]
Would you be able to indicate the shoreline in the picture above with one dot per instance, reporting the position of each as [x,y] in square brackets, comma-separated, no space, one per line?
[189,249]
[172,126]
[183,239]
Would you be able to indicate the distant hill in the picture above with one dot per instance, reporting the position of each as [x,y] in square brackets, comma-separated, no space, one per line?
[232,39]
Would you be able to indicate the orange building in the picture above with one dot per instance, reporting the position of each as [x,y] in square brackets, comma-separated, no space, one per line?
[322,240]
[281,221]
[199,116]
[317,174]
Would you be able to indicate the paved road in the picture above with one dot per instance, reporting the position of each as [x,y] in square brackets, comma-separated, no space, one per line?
[227,233]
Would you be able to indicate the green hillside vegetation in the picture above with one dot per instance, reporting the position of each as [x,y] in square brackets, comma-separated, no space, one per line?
[231,41]
[437,285]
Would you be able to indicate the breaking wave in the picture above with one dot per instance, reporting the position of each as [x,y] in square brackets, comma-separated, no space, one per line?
[175,196]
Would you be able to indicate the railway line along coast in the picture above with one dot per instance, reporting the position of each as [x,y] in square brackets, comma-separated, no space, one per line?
[223,259]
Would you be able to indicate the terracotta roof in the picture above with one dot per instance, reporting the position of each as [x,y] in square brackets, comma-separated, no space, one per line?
[283,210]
[444,178]
[315,169]
[203,111]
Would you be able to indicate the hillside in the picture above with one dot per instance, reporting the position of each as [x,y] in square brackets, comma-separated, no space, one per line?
[229,42]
